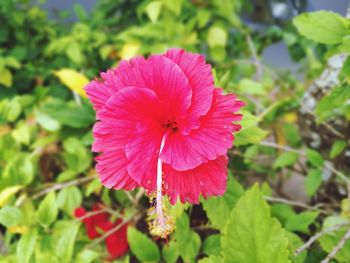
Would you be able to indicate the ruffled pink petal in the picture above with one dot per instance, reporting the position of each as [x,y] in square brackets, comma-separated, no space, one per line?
[201,81]
[112,169]
[208,179]
[120,116]
[212,139]
[157,73]
[169,83]
[99,91]
[142,154]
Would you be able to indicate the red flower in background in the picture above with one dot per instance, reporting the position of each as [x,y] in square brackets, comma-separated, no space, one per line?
[97,224]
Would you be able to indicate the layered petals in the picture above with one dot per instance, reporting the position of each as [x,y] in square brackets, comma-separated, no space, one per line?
[212,139]
[112,169]
[201,81]
[121,115]
[208,179]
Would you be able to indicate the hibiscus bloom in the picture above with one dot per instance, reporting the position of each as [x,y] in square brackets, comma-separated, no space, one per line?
[164,126]
[97,224]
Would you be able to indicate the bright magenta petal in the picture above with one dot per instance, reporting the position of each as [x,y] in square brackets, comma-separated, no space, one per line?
[120,116]
[201,81]
[169,83]
[208,179]
[112,169]
[212,139]
[99,91]
[142,153]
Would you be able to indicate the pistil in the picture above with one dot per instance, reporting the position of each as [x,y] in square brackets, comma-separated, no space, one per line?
[159,195]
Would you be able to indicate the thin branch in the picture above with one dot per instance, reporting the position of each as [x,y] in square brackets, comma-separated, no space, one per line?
[327,165]
[317,236]
[58,186]
[93,213]
[254,53]
[338,247]
[294,203]
[139,194]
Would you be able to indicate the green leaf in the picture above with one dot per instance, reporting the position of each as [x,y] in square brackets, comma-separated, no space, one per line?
[330,240]
[294,243]
[10,216]
[301,222]
[69,114]
[314,158]
[337,148]
[285,159]
[333,104]
[218,209]
[153,10]
[65,243]
[322,26]
[75,54]
[12,62]
[212,245]
[251,235]
[76,156]
[143,247]
[170,252]
[282,212]
[87,256]
[7,193]
[251,87]
[211,259]
[26,245]
[69,198]
[217,36]
[80,12]
[188,242]
[48,210]
[313,181]
[47,122]
[250,133]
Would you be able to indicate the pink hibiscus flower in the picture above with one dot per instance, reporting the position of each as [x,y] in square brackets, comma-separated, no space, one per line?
[164,126]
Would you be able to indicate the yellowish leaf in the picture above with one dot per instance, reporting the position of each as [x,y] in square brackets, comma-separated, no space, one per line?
[291,117]
[17,229]
[217,36]
[7,193]
[74,80]
[153,10]
[130,50]
[6,77]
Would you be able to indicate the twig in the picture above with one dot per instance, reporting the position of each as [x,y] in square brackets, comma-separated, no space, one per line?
[317,236]
[302,153]
[110,232]
[63,185]
[338,247]
[139,194]
[294,203]
[254,53]
[130,197]
[93,213]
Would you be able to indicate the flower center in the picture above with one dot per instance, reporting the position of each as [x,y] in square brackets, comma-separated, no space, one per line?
[171,125]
